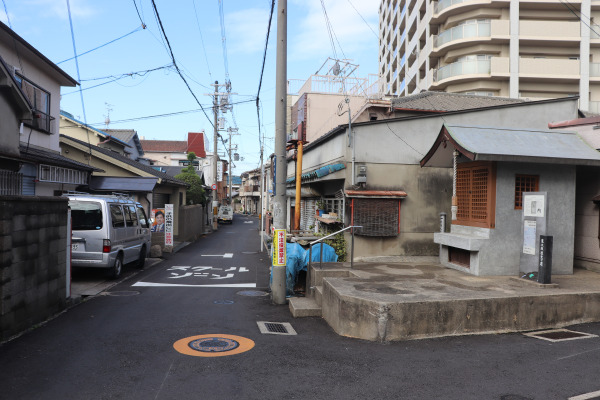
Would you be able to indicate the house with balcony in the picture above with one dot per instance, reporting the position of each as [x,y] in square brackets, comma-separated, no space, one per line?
[517,49]
[29,117]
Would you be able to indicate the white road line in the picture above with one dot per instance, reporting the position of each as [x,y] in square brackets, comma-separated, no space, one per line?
[586,396]
[229,285]
[226,255]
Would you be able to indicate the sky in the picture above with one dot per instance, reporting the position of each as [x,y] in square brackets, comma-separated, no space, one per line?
[133,81]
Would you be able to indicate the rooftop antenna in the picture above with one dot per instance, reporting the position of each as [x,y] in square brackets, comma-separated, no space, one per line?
[107,116]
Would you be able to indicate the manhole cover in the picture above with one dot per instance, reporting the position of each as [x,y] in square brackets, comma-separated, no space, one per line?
[223,301]
[252,293]
[123,293]
[559,335]
[213,345]
[276,328]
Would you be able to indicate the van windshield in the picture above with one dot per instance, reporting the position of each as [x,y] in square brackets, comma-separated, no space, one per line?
[86,215]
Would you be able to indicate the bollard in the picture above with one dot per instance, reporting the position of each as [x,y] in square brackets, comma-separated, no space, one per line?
[442,222]
[545,261]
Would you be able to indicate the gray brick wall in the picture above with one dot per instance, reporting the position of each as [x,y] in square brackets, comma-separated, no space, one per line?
[33,254]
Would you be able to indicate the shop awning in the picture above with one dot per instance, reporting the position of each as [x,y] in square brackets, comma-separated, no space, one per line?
[319,173]
[378,194]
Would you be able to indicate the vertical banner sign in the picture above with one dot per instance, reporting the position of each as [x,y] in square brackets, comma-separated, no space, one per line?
[168,224]
[219,171]
[279,256]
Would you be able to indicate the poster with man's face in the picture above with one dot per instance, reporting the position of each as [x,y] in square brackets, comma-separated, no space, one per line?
[158,216]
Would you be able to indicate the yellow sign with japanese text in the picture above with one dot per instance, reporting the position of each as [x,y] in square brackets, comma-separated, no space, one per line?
[279,254]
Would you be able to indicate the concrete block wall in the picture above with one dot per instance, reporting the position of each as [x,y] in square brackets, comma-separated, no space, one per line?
[33,261]
[191,223]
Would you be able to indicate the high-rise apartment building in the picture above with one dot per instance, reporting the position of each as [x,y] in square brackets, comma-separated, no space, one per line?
[534,49]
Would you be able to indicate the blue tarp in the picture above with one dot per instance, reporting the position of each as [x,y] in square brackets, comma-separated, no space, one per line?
[297,260]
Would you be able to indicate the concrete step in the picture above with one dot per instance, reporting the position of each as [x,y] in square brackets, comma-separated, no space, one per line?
[318,295]
[304,307]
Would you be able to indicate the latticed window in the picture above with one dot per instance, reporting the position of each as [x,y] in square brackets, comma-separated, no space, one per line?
[378,217]
[525,183]
[476,194]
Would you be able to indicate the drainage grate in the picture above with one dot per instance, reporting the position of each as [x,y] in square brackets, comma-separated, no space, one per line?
[514,397]
[559,335]
[276,328]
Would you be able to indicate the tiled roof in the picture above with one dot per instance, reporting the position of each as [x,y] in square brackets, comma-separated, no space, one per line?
[442,101]
[167,146]
[52,158]
[140,166]
[122,134]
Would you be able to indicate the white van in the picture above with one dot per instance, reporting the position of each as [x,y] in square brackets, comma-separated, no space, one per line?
[225,214]
[108,232]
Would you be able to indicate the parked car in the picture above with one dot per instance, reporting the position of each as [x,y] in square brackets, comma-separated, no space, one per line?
[108,232]
[225,214]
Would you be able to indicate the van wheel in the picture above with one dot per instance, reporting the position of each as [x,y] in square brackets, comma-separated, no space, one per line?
[115,271]
[142,259]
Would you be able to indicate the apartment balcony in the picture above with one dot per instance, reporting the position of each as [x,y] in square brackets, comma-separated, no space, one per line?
[549,33]
[480,29]
[463,69]
[552,69]
[595,71]
[496,31]
[530,69]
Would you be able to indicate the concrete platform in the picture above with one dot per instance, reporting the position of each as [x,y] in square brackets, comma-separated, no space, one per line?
[398,301]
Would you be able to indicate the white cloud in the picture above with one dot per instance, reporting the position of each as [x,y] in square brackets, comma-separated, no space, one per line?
[79,8]
[351,34]
[246,30]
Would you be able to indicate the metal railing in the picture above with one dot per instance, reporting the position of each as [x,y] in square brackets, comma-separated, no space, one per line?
[309,288]
[326,237]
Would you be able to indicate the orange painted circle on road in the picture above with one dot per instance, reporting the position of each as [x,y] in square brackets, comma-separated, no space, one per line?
[217,345]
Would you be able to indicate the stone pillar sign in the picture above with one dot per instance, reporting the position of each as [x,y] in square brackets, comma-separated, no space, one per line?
[535,213]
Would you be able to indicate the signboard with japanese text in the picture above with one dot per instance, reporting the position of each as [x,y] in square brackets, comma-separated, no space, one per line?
[279,242]
[168,224]
[219,171]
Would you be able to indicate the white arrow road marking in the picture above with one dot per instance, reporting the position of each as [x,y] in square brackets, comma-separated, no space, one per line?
[226,255]
[230,285]
[248,222]
[586,396]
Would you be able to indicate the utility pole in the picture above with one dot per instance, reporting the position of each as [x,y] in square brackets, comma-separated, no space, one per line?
[279,203]
[215,202]
[232,132]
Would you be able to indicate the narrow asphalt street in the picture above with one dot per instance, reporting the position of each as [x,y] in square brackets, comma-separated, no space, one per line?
[141,339]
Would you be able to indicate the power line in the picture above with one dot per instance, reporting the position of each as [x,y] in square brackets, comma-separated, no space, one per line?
[162,115]
[116,78]
[105,44]
[224,40]
[138,13]
[175,63]
[79,77]
[365,21]
[262,70]
[201,38]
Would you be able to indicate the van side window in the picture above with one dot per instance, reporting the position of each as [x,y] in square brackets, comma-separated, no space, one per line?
[142,217]
[131,216]
[118,219]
